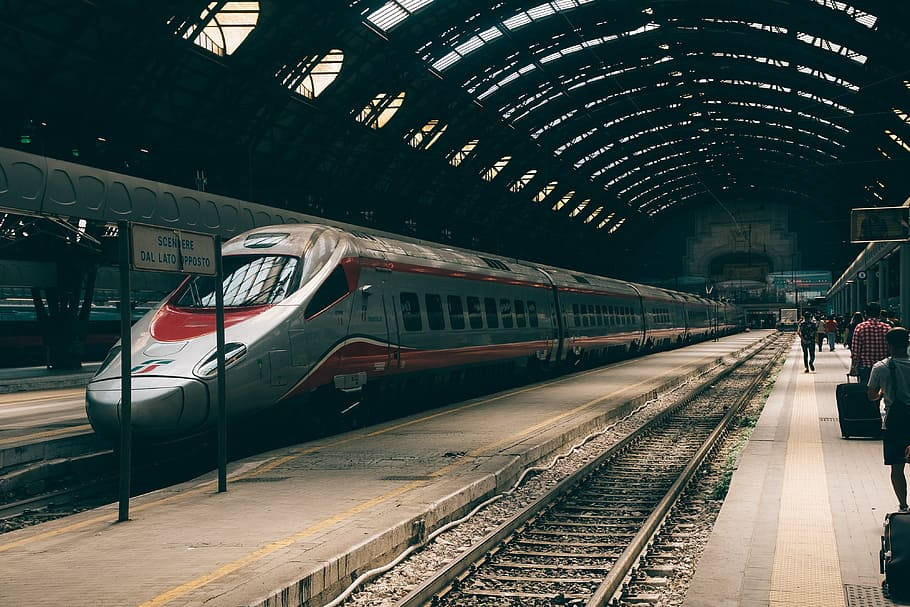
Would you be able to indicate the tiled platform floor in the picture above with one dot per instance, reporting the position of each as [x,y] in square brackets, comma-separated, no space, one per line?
[803,518]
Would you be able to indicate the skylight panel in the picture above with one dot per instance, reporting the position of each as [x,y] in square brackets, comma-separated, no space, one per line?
[223,31]
[426,135]
[540,11]
[552,123]
[312,75]
[563,201]
[446,60]
[465,151]
[832,47]
[472,44]
[380,110]
[594,215]
[522,181]
[608,167]
[862,17]
[902,115]
[573,141]
[545,191]
[617,226]
[394,12]
[826,101]
[493,171]
[388,16]
[581,207]
[826,76]
[517,21]
[592,155]
[898,140]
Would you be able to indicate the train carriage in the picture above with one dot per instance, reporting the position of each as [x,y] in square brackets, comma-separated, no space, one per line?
[312,308]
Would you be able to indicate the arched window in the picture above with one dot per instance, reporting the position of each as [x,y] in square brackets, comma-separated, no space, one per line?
[493,171]
[522,181]
[313,74]
[546,191]
[223,26]
[458,156]
[564,200]
[426,135]
[380,110]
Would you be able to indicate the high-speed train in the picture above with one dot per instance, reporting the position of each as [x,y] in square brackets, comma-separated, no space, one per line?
[312,308]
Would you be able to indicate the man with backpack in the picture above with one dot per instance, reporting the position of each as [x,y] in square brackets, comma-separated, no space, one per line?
[807,330]
[890,381]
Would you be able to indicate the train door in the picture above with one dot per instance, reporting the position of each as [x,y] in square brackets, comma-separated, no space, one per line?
[390,311]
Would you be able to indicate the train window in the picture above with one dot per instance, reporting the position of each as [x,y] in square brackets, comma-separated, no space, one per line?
[489,306]
[456,312]
[532,314]
[600,315]
[475,316]
[576,315]
[334,288]
[249,280]
[520,320]
[435,317]
[584,315]
[410,312]
[505,308]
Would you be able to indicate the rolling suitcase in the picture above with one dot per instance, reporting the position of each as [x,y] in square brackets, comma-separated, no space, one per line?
[894,558]
[858,416]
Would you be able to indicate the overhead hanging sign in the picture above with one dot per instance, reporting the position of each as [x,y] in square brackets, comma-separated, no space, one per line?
[162,250]
[880,224]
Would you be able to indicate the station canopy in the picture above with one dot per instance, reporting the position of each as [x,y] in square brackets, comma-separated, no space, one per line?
[586,119]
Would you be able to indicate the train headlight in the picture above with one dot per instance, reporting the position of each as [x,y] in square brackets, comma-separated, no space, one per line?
[208,368]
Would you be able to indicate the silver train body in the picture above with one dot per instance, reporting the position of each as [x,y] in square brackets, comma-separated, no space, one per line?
[311,307]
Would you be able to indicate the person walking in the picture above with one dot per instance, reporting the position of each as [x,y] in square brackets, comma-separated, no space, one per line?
[890,378]
[820,330]
[831,330]
[806,331]
[854,322]
[869,345]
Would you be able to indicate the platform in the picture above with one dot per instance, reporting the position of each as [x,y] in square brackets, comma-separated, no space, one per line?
[803,517]
[27,379]
[300,520]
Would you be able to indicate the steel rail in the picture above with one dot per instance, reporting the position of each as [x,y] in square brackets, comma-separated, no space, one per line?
[627,560]
[461,568]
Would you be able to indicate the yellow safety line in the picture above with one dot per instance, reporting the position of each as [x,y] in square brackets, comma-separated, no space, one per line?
[12,398]
[191,585]
[806,568]
[85,428]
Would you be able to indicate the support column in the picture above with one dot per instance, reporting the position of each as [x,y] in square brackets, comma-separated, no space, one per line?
[857,295]
[883,282]
[871,287]
[905,283]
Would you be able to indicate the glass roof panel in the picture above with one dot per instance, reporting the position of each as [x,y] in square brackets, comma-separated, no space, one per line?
[546,191]
[563,201]
[313,74]
[466,150]
[493,171]
[522,181]
[222,32]
[581,207]
[380,110]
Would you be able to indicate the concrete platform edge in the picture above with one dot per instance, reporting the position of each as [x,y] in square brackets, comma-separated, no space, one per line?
[322,584]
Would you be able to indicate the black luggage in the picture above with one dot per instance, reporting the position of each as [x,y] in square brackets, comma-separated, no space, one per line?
[858,415]
[894,557]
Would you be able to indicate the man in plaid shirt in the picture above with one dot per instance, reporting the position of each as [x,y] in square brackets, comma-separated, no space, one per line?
[869,344]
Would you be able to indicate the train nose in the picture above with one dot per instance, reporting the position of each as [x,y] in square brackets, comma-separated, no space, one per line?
[161,406]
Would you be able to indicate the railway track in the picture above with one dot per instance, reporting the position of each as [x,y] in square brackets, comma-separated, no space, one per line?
[581,542]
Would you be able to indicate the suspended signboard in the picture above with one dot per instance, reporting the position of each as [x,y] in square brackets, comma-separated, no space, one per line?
[163,250]
[880,224]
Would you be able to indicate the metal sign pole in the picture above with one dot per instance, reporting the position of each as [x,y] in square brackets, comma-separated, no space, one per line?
[219,341]
[126,364]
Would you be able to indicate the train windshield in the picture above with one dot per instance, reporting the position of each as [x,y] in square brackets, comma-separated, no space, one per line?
[249,280]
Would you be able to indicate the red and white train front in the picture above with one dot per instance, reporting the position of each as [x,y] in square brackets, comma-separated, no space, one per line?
[266,274]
